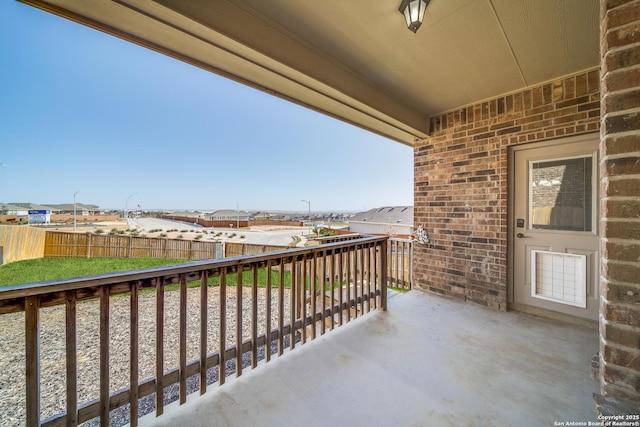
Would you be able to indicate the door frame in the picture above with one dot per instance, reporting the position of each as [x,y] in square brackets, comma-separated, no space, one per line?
[511,153]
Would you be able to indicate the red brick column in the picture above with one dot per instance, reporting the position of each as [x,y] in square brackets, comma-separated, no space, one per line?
[620,199]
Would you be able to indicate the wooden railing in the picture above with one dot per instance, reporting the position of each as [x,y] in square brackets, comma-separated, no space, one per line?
[277,301]
[400,257]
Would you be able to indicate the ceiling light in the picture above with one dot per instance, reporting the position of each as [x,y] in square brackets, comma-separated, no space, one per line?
[413,11]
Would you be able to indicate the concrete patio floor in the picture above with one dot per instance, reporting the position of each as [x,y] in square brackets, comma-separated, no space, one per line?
[427,361]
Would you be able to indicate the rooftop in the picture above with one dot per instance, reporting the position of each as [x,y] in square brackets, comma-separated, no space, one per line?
[386,215]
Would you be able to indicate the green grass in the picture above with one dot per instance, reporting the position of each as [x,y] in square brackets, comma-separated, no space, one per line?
[41,269]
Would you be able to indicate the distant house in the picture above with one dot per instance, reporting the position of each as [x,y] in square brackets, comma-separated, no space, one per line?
[229,215]
[12,209]
[394,221]
[188,214]
[80,208]
[263,216]
[26,206]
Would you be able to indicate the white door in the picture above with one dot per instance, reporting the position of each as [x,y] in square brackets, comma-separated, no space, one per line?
[555,226]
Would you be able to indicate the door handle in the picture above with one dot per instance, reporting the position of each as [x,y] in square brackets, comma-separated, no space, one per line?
[520,235]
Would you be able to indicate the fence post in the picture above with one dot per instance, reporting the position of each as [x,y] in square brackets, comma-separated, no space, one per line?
[89,245]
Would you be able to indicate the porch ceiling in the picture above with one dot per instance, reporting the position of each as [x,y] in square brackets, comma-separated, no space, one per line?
[356,60]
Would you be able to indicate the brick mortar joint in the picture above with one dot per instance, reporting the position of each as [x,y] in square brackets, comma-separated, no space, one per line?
[626,328]
[604,364]
[619,240]
[618,113]
[631,24]
[624,133]
[622,219]
[615,178]
[612,93]
[616,262]
[615,346]
[618,70]
[617,49]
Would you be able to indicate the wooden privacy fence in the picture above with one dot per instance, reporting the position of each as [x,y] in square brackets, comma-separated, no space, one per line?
[20,242]
[85,245]
[213,326]
[240,249]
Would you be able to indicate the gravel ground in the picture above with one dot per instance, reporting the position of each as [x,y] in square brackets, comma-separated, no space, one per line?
[53,386]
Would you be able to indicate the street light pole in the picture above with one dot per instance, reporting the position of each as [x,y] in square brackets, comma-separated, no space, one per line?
[309,203]
[126,206]
[2,164]
[74,210]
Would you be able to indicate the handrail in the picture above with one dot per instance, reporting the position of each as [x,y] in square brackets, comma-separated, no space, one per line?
[316,289]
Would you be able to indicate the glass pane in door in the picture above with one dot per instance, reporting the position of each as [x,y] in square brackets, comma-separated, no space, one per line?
[560,194]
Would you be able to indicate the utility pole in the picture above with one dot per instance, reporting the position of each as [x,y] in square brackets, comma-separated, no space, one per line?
[74,210]
[126,205]
[2,164]
[309,217]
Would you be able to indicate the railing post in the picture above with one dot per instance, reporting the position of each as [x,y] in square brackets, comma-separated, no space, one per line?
[134,352]
[159,346]
[223,326]
[239,319]
[182,369]
[204,299]
[410,265]
[72,361]
[104,356]
[32,355]
[383,274]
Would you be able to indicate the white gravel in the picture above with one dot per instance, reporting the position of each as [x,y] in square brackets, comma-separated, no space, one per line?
[273,236]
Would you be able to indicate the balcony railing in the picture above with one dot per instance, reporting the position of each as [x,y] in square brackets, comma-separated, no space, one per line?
[224,315]
[399,259]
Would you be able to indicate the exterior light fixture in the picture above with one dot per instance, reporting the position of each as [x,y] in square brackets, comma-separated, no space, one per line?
[413,11]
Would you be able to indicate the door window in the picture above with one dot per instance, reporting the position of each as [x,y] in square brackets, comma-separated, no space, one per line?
[560,194]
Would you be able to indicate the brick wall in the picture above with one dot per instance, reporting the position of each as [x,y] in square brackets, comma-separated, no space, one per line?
[620,208]
[460,188]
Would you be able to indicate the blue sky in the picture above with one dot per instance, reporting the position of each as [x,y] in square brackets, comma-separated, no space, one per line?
[84,111]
